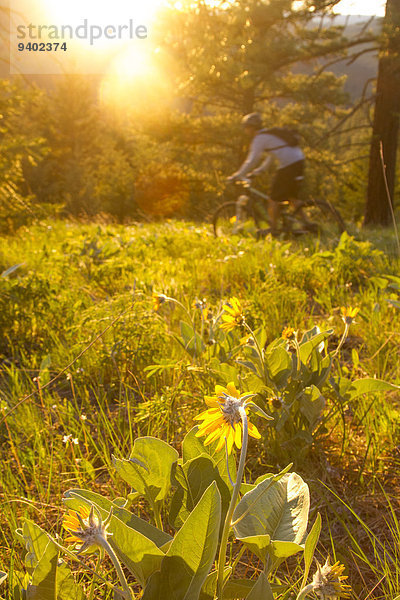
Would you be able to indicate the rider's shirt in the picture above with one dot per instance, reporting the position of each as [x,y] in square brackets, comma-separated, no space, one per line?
[265,142]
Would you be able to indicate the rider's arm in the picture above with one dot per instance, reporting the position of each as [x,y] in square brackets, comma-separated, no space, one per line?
[253,158]
[263,167]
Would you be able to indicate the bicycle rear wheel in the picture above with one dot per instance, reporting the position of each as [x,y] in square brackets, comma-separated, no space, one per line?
[231,219]
[319,216]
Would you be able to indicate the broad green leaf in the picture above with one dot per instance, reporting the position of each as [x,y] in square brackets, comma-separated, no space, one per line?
[224,372]
[193,478]
[368,386]
[259,411]
[44,369]
[279,365]
[237,588]
[310,546]
[19,583]
[307,347]
[395,285]
[312,404]
[67,589]
[139,554]
[36,542]
[44,577]
[46,363]
[248,364]
[149,468]
[208,589]
[193,343]
[75,498]
[320,368]
[355,359]
[282,550]
[194,446]
[247,487]
[261,590]
[308,335]
[191,555]
[380,282]
[3,577]
[276,508]
[11,270]
[258,544]
[256,384]
[261,336]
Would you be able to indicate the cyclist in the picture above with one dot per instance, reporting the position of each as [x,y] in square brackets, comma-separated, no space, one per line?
[289,156]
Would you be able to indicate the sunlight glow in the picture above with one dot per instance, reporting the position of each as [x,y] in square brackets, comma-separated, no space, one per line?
[115,12]
[361,7]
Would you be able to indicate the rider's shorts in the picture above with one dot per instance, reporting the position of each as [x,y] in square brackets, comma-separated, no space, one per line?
[287,182]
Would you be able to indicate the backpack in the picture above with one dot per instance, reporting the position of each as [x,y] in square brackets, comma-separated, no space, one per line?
[291,137]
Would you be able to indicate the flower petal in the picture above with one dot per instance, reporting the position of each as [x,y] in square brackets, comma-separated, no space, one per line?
[253,432]
[238,435]
[231,388]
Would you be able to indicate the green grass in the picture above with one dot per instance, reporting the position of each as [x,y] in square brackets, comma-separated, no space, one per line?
[74,280]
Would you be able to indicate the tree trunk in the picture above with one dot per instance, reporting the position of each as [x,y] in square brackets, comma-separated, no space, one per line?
[386,123]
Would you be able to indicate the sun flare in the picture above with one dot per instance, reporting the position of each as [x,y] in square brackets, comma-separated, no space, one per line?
[103,14]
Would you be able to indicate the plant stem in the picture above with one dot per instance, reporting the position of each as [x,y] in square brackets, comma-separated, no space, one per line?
[157,516]
[96,573]
[343,339]
[117,565]
[309,588]
[229,514]
[259,351]
[296,344]
[191,321]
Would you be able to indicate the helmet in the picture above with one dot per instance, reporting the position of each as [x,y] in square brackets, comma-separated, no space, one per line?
[252,120]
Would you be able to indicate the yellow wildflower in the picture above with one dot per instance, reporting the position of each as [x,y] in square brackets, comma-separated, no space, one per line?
[247,340]
[349,314]
[158,299]
[328,582]
[223,420]
[85,528]
[233,315]
[288,333]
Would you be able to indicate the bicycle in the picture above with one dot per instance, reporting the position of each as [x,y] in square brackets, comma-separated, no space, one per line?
[248,215]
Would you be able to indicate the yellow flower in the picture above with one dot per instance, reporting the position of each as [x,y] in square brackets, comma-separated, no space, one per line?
[288,333]
[85,528]
[158,299]
[328,582]
[349,314]
[223,420]
[247,340]
[233,315]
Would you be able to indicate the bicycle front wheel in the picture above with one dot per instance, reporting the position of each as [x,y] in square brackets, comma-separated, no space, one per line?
[232,219]
[319,216]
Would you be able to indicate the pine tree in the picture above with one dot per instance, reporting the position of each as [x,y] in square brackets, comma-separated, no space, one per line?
[232,58]
[381,180]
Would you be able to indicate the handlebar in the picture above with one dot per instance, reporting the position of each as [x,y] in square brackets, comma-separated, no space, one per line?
[245,182]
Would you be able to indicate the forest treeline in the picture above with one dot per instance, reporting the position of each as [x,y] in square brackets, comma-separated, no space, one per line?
[73,150]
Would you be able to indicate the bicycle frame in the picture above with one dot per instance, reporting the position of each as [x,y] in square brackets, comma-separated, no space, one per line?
[244,199]
[246,184]
[254,205]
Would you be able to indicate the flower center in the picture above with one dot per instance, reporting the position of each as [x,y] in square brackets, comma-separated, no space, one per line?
[231,409]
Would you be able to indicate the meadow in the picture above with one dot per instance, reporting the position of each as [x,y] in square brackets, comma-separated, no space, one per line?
[105,310]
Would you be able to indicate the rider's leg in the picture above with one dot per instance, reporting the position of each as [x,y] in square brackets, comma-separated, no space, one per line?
[274,211]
